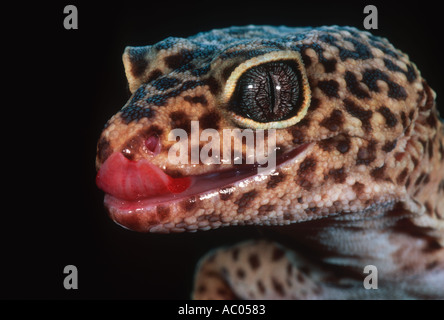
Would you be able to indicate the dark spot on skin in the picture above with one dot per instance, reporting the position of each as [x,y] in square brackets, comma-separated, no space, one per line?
[254,261]
[338,175]
[277,286]
[211,273]
[289,269]
[410,73]
[305,184]
[287,216]
[334,122]
[389,145]
[305,59]
[378,173]
[165,83]
[415,162]
[300,278]
[327,144]
[179,120]
[426,179]
[163,212]
[306,167]
[366,155]
[358,188]
[314,104]
[353,86]
[403,119]
[311,210]
[213,85]
[430,148]
[329,65]
[225,193]
[401,177]
[138,61]
[223,292]
[300,200]
[197,99]
[245,200]
[277,254]
[340,142]
[201,288]
[275,179]
[261,287]
[177,60]
[441,149]
[441,186]
[399,156]
[420,178]
[240,273]
[329,88]
[152,130]
[265,209]
[210,120]
[305,122]
[189,204]
[153,75]
[360,113]
[235,254]
[395,91]
[103,150]
[390,118]
[432,120]
[343,146]
[429,208]
[228,71]
[298,136]
[407,183]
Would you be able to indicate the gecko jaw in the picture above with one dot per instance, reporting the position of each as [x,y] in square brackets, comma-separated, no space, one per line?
[143,213]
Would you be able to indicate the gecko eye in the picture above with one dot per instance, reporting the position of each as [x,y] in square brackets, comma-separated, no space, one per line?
[268,92]
[273,94]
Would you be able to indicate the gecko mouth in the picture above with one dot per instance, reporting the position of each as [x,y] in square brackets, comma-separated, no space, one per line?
[136,186]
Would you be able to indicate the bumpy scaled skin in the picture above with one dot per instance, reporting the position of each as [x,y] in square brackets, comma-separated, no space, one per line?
[365,185]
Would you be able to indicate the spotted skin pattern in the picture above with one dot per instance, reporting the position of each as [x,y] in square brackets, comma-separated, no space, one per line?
[367,189]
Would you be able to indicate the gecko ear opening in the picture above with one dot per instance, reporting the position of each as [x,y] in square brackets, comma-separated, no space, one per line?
[136,63]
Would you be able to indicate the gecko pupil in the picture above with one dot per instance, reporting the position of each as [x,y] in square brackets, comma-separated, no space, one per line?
[268,92]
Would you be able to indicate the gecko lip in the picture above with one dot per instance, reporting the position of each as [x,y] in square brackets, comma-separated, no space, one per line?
[127,193]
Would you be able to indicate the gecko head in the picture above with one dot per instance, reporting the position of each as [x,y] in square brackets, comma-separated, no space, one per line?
[183,153]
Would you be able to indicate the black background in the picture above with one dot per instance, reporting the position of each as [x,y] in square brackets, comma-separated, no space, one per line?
[64,86]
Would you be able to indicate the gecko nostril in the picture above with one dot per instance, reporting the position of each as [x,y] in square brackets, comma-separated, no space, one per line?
[152,143]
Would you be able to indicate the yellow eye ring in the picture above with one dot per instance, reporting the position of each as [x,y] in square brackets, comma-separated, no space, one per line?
[276,56]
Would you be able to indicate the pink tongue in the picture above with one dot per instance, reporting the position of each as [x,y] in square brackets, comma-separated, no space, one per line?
[134,180]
